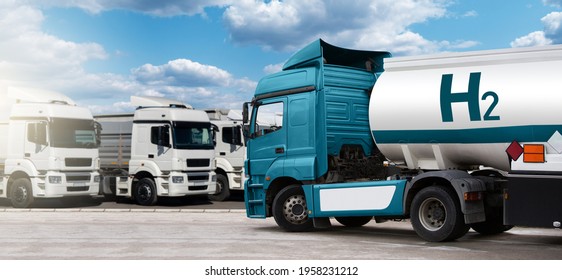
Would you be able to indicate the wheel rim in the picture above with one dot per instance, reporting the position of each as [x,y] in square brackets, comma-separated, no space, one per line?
[294,209]
[144,193]
[432,214]
[20,194]
[219,187]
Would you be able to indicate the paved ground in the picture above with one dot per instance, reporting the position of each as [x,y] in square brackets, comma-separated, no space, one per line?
[235,202]
[192,234]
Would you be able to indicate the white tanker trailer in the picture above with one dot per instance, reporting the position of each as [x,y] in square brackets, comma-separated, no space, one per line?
[464,110]
[469,140]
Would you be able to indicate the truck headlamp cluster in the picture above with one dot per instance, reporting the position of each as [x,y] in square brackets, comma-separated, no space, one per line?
[55,180]
[177,179]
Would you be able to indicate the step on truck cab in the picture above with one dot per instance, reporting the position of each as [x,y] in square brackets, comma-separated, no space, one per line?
[48,148]
[230,152]
[164,149]
[449,141]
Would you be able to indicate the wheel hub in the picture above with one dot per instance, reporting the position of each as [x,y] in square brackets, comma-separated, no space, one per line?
[295,210]
[432,214]
[20,194]
[145,192]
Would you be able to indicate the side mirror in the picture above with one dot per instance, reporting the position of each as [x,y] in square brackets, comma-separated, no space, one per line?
[237,136]
[97,129]
[245,112]
[215,130]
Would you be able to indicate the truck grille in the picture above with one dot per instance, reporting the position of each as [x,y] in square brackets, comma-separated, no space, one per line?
[77,162]
[77,189]
[198,178]
[197,188]
[203,162]
[77,178]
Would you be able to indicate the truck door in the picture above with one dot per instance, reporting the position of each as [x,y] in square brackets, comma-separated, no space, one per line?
[160,152]
[230,145]
[35,147]
[269,142]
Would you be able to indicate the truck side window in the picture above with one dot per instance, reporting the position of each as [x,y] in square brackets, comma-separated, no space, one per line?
[154,135]
[37,133]
[160,135]
[269,119]
[228,136]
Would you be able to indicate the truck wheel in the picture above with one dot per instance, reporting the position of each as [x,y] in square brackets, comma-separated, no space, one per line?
[290,210]
[223,189]
[490,227]
[21,194]
[436,215]
[354,221]
[493,224]
[145,192]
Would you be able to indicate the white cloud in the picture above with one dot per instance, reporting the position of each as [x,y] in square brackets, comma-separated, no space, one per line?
[30,57]
[157,8]
[552,23]
[536,38]
[194,83]
[552,33]
[554,3]
[471,13]
[183,72]
[273,68]
[290,24]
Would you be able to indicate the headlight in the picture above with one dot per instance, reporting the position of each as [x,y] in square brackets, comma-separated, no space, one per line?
[177,179]
[55,179]
[96,179]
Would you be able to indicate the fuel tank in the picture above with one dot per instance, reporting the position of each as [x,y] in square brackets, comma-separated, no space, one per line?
[467,110]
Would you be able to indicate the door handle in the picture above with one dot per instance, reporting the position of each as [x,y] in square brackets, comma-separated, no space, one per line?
[279,150]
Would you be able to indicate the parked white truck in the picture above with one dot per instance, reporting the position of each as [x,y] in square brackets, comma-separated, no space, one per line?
[475,141]
[230,151]
[48,148]
[164,149]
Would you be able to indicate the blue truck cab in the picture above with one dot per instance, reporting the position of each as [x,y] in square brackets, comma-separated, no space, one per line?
[319,143]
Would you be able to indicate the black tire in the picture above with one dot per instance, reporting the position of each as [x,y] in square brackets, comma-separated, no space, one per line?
[354,221]
[490,228]
[436,215]
[493,224]
[21,193]
[290,210]
[223,189]
[145,192]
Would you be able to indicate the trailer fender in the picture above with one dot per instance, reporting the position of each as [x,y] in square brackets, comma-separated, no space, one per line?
[461,182]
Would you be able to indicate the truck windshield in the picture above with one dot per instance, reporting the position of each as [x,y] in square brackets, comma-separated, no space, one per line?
[192,135]
[72,133]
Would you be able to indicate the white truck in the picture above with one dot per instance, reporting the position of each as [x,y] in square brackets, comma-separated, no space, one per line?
[230,152]
[474,141]
[48,148]
[164,149]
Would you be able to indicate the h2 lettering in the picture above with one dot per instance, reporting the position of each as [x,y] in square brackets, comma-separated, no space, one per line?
[470,97]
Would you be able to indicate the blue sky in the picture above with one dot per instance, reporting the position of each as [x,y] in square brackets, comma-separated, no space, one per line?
[212,53]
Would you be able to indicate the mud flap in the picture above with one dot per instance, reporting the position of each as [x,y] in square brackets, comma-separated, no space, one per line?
[321,222]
